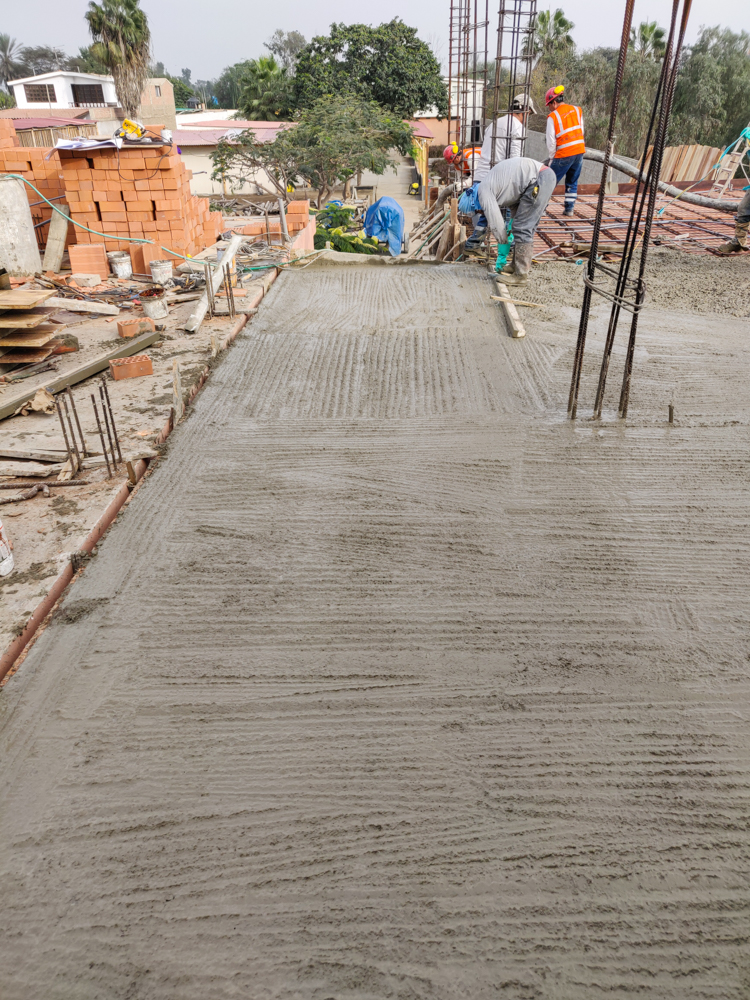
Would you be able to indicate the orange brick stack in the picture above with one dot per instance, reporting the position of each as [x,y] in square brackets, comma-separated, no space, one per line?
[297,218]
[32,163]
[141,192]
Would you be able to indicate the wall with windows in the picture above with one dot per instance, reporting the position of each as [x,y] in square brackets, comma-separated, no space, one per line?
[63,90]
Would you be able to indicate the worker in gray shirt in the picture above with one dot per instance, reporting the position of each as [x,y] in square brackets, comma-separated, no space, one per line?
[524,186]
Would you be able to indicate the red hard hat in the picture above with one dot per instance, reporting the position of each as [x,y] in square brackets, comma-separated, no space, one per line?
[553,93]
[450,151]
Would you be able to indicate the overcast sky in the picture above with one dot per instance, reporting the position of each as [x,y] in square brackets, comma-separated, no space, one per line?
[207,35]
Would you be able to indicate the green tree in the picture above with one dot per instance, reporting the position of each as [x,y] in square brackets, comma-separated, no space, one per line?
[11,60]
[265,92]
[87,62]
[286,47]
[182,93]
[552,33]
[712,95]
[387,64]
[326,145]
[228,87]
[43,59]
[649,40]
[122,41]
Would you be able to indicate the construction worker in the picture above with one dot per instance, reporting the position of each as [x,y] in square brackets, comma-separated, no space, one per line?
[504,137]
[502,140]
[464,160]
[565,143]
[525,187]
[741,225]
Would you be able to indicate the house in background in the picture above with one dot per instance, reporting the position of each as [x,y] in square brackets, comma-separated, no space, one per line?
[62,92]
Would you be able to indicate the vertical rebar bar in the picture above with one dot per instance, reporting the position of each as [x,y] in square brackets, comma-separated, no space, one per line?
[209,289]
[72,433]
[65,433]
[106,425]
[78,422]
[101,435]
[111,417]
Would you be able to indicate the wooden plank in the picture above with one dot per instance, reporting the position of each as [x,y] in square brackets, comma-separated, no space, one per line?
[24,320]
[33,456]
[26,355]
[82,306]
[58,231]
[30,338]
[24,298]
[511,313]
[10,403]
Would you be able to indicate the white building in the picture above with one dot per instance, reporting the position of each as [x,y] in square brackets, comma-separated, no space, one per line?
[62,90]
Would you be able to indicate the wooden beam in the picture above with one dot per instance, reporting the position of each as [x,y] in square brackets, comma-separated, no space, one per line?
[511,313]
[82,306]
[9,404]
[58,231]
[198,314]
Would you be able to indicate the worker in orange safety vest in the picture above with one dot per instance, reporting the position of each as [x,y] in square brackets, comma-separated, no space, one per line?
[465,160]
[565,143]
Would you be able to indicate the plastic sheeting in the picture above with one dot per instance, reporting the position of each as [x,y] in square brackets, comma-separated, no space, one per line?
[385,221]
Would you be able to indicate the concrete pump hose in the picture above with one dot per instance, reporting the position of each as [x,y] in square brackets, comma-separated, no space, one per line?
[722,204]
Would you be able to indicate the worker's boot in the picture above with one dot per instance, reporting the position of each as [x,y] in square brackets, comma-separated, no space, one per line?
[522,254]
[474,242]
[740,239]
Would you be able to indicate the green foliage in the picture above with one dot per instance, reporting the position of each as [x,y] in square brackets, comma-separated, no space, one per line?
[649,40]
[7,100]
[265,92]
[11,59]
[345,242]
[712,95]
[334,217]
[286,47]
[228,88]
[87,62]
[387,64]
[182,92]
[552,34]
[43,59]
[122,41]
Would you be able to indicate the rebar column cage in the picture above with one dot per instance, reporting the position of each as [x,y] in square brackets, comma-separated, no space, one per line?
[480,90]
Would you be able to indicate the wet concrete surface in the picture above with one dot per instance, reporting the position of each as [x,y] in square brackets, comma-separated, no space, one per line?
[392,682]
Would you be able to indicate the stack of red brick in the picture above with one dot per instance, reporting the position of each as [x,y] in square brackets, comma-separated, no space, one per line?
[297,218]
[141,193]
[32,163]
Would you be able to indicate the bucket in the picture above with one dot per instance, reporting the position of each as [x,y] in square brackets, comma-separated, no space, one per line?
[161,271]
[121,264]
[7,563]
[154,303]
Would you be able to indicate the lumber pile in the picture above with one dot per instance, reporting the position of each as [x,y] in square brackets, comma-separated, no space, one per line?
[686,163]
[27,335]
[439,235]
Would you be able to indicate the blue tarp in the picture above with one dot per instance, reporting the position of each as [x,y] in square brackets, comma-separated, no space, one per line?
[385,221]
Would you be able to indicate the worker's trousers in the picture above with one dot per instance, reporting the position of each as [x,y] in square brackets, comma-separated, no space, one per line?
[530,208]
[568,167]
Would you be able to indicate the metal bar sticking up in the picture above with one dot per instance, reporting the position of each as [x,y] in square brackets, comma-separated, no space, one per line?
[514,61]
[209,289]
[111,417]
[68,449]
[77,465]
[106,425]
[101,436]
[78,422]
[629,293]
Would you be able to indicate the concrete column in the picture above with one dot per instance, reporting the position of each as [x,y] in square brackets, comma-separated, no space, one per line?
[19,253]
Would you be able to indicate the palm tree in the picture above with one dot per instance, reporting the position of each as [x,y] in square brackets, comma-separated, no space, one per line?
[122,42]
[649,40]
[11,59]
[265,91]
[552,33]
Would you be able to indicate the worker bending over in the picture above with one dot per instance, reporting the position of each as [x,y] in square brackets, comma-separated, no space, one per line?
[525,187]
[565,143]
[464,160]
[741,225]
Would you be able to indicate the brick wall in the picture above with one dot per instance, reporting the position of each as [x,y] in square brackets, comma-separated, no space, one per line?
[141,192]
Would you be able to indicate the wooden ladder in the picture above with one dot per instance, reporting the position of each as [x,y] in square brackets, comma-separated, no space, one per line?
[728,166]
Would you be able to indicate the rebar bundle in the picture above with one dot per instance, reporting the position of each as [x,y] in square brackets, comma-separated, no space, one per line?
[481,90]
[617,286]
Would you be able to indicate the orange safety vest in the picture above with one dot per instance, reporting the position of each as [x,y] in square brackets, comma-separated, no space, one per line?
[568,130]
[471,153]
